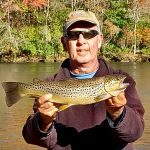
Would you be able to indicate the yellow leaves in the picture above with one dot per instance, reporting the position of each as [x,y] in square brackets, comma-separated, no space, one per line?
[112,28]
[143,35]
[35,3]
[142,1]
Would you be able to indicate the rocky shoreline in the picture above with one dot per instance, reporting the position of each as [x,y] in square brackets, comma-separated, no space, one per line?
[129,58]
[116,58]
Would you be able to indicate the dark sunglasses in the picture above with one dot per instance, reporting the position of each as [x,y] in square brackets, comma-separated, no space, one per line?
[87,34]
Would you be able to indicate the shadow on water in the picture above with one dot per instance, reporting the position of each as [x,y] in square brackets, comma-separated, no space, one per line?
[12,119]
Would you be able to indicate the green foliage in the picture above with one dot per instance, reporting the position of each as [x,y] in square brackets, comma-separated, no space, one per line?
[34,41]
[37,32]
[143,24]
[30,37]
[43,40]
[110,49]
[146,51]
[56,26]
[28,48]
[118,13]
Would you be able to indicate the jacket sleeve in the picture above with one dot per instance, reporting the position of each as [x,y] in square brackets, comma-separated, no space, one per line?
[132,125]
[33,135]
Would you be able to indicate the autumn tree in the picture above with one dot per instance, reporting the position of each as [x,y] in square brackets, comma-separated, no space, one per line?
[34,27]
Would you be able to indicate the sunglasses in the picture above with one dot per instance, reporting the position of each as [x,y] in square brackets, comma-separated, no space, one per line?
[87,34]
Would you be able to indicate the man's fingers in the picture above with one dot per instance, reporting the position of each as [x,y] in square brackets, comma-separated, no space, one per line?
[44,98]
[46,105]
[53,112]
[116,101]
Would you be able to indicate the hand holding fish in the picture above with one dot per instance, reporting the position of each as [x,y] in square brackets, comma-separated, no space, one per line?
[47,111]
[115,105]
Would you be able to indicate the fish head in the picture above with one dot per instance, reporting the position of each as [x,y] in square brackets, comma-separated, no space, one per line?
[114,84]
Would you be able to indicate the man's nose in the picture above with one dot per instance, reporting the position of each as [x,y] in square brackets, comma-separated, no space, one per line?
[81,40]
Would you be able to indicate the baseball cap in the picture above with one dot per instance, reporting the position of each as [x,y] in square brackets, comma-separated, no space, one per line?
[80,15]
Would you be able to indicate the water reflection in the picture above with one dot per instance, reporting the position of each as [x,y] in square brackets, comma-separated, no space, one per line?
[12,119]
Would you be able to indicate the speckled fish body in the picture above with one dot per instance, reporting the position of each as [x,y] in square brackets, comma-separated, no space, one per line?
[68,92]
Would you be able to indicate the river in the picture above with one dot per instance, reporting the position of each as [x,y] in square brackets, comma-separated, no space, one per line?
[13,118]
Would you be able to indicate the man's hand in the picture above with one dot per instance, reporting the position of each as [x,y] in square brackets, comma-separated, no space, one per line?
[115,105]
[47,111]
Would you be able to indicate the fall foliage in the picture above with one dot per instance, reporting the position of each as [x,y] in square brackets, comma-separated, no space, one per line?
[34,27]
[35,3]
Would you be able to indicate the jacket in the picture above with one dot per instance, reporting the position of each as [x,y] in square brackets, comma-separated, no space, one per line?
[89,127]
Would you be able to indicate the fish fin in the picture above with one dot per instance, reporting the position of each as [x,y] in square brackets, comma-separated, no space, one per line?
[63,107]
[36,80]
[102,97]
[12,92]
[113,94]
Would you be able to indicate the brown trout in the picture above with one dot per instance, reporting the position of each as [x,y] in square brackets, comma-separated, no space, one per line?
[68,92]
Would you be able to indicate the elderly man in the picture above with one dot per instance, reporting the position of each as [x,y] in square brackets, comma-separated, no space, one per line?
[112,124]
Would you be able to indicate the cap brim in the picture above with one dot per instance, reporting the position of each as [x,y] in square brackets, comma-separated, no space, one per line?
[67,25]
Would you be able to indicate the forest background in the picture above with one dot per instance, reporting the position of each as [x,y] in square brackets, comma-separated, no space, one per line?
[30,30]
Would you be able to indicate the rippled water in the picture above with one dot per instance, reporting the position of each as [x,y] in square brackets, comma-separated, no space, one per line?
[12,119]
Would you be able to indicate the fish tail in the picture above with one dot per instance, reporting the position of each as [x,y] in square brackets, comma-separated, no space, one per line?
[12,92]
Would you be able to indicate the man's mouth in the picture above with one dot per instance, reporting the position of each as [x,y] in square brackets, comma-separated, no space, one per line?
[82,52]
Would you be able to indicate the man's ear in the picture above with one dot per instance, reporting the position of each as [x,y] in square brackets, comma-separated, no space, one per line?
[100,41]
[64,43]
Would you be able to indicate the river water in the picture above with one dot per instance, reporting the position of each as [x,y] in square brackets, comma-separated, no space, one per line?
[13,118]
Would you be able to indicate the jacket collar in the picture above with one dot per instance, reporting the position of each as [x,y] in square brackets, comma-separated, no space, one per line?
[64,71]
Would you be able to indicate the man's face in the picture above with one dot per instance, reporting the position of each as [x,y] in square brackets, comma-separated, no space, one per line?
[82,44]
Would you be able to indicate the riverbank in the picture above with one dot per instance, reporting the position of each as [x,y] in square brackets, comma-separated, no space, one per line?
[116,58]
[124,57]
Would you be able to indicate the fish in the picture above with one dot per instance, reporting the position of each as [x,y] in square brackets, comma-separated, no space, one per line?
[67,92]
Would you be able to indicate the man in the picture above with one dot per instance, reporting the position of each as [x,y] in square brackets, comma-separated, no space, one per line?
[112,124]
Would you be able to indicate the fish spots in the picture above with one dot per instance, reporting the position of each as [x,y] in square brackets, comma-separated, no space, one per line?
[80,91]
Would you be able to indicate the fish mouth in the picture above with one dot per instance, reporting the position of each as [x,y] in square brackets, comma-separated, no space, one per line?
[123,86]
